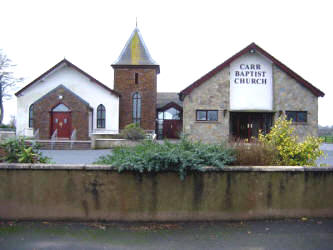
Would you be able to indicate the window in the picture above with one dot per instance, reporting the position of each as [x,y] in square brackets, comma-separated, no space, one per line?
[101,116]
[136,78]
[136,101]
[171,114]
[61,108]
[207,115]
[297,116]
[31,116]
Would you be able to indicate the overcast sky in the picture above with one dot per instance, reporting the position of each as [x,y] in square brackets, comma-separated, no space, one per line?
[187,38]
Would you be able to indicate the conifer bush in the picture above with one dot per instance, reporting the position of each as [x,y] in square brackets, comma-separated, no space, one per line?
[133,132]
[182,157]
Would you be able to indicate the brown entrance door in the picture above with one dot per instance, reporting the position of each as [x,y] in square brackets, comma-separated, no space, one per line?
[62,122]
[172,128]
[247,125]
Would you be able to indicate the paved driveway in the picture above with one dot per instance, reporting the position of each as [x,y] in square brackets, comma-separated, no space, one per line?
[75,156]
[328,158]
[252,235]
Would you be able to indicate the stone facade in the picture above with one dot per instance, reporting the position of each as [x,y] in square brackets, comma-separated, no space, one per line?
[213,94]
[289,95]
[124,83]
[42,110]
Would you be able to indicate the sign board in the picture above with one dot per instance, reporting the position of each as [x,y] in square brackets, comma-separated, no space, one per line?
[251,84]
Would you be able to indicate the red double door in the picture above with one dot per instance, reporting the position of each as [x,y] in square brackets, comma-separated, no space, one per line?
[172,129]
[62,122]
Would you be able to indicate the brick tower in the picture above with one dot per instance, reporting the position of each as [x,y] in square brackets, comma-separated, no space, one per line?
[135,78]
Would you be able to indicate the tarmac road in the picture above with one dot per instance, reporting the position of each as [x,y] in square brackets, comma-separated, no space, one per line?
[75,156]
[302,234]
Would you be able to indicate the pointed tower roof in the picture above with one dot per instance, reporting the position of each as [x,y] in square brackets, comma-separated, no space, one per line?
[135,53]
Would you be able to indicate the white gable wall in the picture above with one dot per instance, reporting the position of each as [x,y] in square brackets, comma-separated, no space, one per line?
[81,86]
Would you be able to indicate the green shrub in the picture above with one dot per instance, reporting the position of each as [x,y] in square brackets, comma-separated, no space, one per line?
[290,151]
[5,126]
[18,151]
[151,156]
[133,132]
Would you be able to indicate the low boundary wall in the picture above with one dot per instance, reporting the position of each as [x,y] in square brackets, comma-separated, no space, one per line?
[90,193]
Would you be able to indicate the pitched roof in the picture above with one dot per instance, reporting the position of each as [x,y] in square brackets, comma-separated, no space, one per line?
[317,92]
[135,53]
[164,98]
[68,63]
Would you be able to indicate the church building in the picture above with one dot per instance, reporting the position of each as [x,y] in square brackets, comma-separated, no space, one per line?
[237,99]
[67,103]
[245,94]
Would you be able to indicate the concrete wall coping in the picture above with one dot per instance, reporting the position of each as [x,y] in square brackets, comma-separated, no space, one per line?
[108,139]
[28,166]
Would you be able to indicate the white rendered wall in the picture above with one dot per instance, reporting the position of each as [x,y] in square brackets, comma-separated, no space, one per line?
[81,86]
[251,84]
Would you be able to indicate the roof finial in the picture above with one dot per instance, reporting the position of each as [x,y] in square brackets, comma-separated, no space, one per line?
[136,22]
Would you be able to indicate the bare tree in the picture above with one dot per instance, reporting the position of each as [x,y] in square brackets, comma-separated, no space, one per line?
[7,81]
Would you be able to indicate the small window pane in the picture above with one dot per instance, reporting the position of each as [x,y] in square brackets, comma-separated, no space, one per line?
[302,116]
[136,78]
[291,115]
[160,115]
[101,116]
[212,115]
[136,109]
[201,115]
[31,116]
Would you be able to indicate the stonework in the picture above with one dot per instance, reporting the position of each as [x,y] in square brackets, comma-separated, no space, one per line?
[213,94]
[79,113]
[124,83]
[289,95]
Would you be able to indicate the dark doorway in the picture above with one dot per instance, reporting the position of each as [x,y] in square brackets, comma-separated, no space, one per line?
[169,121]
[245,125]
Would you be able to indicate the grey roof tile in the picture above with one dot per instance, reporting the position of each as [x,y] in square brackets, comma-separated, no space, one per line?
[163,98]
[135,52]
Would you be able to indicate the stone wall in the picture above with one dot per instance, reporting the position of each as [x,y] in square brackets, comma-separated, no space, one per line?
[90,193]
[79,112]
[289,95]
[105,141]
[212,95]
[124,83]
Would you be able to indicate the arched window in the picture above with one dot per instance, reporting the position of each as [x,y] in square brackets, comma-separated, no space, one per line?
[31,116]
[136,100]
[101,116]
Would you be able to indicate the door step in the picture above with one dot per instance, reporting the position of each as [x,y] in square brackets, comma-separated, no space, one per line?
[63,144]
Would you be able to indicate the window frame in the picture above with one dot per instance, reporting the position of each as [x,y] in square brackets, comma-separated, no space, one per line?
[31,116]
[297,116]
[136,106]
[206,115]
[101,116]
